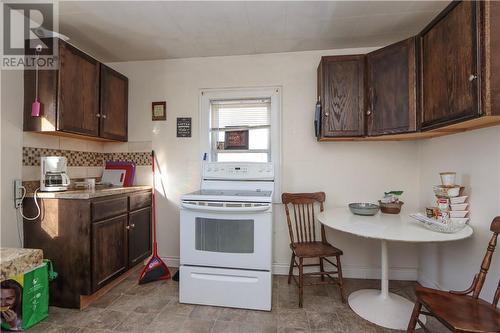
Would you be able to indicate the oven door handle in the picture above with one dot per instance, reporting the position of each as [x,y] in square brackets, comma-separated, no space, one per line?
[223,209]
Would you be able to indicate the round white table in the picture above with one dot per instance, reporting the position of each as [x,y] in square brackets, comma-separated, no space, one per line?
[381,306]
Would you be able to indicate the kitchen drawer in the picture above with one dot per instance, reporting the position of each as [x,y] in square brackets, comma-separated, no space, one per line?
[233,288]
[102,209]
[140,200]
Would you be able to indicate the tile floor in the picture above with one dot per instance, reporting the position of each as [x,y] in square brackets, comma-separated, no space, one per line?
[154,307]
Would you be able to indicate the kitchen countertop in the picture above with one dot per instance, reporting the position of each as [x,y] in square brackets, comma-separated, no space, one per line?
[17,261]
[89,194]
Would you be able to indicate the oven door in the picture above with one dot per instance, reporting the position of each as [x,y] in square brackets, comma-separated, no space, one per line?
[229,235]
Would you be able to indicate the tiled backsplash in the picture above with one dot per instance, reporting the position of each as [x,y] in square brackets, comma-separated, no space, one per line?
[31,157]
[85,158]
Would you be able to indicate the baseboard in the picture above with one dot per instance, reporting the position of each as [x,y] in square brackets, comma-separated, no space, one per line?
[428,282]
[171,261]
[349,271]
[360,272]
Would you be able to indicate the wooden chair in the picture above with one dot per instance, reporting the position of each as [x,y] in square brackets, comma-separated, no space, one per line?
[302,230]
[457,310]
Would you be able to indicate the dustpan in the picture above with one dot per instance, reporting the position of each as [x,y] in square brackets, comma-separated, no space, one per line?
[155,269]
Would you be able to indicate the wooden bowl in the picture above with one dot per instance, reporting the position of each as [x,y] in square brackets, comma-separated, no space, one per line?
[390,208]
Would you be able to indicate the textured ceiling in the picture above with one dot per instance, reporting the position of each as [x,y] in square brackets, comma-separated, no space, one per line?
[147,30]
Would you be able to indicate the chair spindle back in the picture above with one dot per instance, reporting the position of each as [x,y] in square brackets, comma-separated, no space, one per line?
[485,265]
[300,215]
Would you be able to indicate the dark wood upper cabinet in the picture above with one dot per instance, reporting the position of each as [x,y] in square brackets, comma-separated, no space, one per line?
[449,69]
[341,94]
[491,68]
[391,89]
[78,95]
[81,98]
[114,104]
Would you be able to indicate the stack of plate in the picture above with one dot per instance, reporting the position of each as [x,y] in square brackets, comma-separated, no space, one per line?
[459,208]
[450,199]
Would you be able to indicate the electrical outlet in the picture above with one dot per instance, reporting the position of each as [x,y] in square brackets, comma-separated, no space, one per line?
[18,193]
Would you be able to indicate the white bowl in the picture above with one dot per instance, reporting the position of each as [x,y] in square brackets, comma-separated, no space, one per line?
[458,213]
[448,178]
[459,220]
[462,206]
[458,200]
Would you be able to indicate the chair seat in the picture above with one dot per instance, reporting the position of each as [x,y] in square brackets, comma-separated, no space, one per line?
[315,249]
[463,313]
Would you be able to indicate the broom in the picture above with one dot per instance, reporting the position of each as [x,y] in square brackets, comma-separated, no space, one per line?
[155,268]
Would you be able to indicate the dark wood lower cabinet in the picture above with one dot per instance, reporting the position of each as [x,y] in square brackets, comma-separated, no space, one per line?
[109,250]
[91,242]
[139,235]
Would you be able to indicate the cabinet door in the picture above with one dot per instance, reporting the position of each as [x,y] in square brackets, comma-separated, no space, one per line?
[109,250]
[392,89]
[114,104]
[78,96]
[340,89]
[449,69]
[139,235]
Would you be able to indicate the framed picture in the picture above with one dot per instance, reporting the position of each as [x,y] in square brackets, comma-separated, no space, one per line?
[159,110]
[184,127]
[236,140]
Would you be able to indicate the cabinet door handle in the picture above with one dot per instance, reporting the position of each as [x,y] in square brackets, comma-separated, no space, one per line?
[326,114]
[98,115]
[127,227]
[104,116]
[472,77]
[132,225]
[369,112]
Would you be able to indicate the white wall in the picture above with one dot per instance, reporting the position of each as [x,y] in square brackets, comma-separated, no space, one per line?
[11,115]
[475,156]
[347,172]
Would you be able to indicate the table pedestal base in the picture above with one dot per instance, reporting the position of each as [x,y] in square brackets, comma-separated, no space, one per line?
[391,311]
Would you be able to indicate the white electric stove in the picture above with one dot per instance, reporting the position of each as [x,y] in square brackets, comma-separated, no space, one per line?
[226,237]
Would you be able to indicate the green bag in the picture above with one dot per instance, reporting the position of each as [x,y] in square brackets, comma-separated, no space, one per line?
[25,298]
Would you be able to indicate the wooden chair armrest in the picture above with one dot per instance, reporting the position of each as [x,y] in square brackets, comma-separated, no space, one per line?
[468,290]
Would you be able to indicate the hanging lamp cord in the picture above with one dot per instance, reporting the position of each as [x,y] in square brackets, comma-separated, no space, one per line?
[36,73]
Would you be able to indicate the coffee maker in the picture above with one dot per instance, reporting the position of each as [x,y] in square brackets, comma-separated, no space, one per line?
[53,174]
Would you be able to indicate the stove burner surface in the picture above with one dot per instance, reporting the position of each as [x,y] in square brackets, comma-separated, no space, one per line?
[230,193]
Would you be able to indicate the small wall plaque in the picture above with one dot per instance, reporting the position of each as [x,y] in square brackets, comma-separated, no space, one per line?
[184,127]
[236,140]
[159,111]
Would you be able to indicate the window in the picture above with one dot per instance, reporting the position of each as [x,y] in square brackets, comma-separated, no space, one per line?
[256,111]
[240,130]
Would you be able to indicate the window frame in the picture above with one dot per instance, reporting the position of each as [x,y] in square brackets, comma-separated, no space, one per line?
[273,93]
